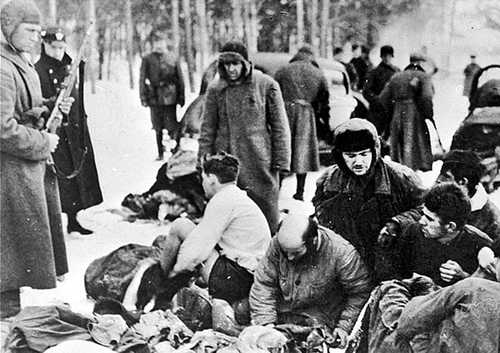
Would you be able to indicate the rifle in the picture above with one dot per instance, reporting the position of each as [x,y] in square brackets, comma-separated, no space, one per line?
[55,118]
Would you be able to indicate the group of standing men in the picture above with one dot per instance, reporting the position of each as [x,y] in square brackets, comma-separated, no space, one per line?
[33,251]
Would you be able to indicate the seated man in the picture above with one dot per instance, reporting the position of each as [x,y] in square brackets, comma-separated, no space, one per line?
[440,245]
[464,317]
[361,192]
[310,276]
[230,240]
[464,168]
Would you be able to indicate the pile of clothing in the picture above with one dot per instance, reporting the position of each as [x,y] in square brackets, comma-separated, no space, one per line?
[177,192]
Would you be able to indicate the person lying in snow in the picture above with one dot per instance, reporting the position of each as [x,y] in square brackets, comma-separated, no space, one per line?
[311,277]
[230,240]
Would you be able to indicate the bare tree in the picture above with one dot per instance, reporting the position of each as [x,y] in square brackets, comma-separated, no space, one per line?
[53,12]
[252,46]
[323,30]
[92,47]
[189,42]
[237,19]
[175,27]
[203,28]
[300,22]
[313,24]
[130,43]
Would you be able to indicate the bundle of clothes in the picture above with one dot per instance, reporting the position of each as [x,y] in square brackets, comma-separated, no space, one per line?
[177,192]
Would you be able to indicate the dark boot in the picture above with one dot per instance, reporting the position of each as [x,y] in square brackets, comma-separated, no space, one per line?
[159,145]
[301,182]
[75,226]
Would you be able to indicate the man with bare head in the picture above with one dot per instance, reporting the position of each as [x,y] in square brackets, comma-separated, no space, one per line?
[311,277]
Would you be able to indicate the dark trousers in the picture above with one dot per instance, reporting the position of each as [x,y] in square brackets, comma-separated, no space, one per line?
[229,281]
[10,303]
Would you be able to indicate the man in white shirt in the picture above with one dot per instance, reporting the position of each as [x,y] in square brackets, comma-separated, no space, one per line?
[228,243]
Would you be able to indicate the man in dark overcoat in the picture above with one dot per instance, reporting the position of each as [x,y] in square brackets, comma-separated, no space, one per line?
[361,192]
[407,99]
[375,83]
[469,72]
[305,91]
[161,88]
[32,247]
[244,115]
[74,152]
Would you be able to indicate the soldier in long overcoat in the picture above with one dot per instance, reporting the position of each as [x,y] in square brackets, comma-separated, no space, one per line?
[469,72]
[305,91]
[32,239]
[161,88]
[245,116]
[407,98]
[74,152]
[375,83]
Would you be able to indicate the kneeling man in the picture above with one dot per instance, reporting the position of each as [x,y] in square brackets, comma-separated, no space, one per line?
[310,276]
[228,243]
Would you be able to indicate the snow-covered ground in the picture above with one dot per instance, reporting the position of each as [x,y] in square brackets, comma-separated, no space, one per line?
[125,150]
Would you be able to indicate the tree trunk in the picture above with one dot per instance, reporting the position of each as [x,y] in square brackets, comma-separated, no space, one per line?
[314,25]
[189,42]
[237,20]
[101,47]
[300,23]
[91,64]
[53,12]
[175,27]
[203,28]
[130,42]
[252,47]
[323,31]
[110,39]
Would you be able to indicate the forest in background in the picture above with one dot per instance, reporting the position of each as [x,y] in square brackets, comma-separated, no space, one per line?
[197,28]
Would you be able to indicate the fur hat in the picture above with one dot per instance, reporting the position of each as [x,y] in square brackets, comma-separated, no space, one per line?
[465,158]
[15,12]
[235,47]
[51,34]
[416,57]
[386,50]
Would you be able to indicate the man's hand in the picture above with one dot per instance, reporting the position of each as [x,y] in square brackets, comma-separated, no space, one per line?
[388,234]
[53,142]
[144,103]
[338,338]
[486,259]
[452,271]
[65,105]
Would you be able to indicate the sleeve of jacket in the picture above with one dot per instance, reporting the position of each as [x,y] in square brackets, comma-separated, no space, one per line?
[368,93]
[355,281]
[386,99]
[425,101]
[280,129]
[142,80]
[209,124]
[265,289]
[319,195]
[16,139]
[180,84]
[425,313]
[322,102]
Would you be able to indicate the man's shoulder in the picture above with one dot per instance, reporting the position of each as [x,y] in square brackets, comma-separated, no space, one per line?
[476,236]
[261,78]
[338,243]
[400,172]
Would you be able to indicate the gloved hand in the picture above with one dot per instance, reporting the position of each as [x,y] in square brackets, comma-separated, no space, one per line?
[388,234]
[35,115]
[65,105]
[144,103]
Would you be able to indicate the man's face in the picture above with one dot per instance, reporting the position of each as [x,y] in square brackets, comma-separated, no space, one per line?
[387,59]
[432,227]
[358,162]
[26,37]
[233,69]
[55,49]
[159,45]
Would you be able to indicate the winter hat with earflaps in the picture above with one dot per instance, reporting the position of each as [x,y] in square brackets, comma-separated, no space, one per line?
[15,12]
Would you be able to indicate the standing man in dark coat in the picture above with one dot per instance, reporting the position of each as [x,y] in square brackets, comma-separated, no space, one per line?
[74,152]
[161,88]
[305,91]
[33,251]
[361,192]
[375,83]
[362,64]
[407,98]
[245,116]
[469,73]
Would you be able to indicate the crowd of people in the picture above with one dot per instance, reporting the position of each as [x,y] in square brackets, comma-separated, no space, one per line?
[375,226]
